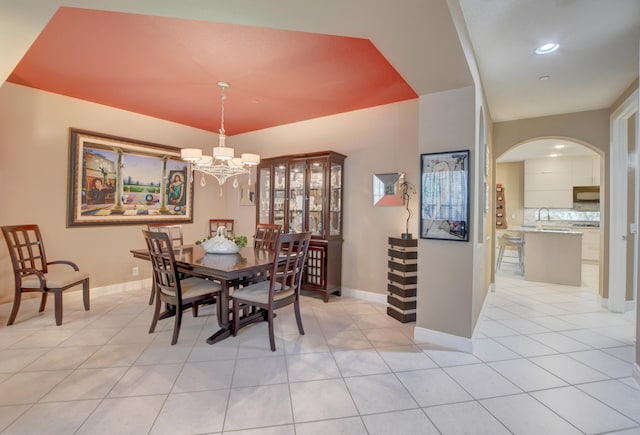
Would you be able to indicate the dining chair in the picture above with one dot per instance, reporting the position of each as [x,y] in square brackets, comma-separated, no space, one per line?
[178,294]
[177,241]
[267,235]
[283,286]
[173,230]
[32,271]
[215,223]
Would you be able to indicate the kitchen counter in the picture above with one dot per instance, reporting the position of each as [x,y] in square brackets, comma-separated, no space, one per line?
[552,254]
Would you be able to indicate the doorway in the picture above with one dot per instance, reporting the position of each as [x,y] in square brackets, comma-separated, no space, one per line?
[623,234]
[537,178]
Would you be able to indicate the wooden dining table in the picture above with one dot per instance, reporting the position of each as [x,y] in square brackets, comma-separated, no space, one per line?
[250,264]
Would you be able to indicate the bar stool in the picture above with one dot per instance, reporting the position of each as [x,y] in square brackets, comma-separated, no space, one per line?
[511,240]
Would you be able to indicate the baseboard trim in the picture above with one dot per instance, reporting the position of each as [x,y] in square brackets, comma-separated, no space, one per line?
[604,302]
[121,287]
[443,339]
[364,295]
[476,327]
[629,306]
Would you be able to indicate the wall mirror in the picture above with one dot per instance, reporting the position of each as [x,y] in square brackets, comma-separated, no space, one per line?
[386,189]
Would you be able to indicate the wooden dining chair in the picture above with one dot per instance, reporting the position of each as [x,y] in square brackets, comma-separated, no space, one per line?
[215,223]
[283,286]
[173,230]
[177,241]
[267,235]
[178,294]
[32,271]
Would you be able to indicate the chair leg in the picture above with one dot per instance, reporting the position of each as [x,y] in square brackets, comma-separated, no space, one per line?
[296,310]
[85,294]
[43,301]
[16,307]
[176,325]
[156,314]
[272,339]
[153,292]
[57,305]
[194,309]
[236,317]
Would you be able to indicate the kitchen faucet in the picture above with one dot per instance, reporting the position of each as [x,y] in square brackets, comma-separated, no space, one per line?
[548,213]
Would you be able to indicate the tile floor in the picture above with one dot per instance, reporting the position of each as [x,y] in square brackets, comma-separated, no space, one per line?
[547,361]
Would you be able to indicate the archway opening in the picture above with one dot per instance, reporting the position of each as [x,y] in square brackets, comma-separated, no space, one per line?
[536,186]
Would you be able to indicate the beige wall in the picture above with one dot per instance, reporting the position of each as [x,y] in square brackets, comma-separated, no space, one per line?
[511,176]
[445,272]
[378,140]
[34,149]
[35,126]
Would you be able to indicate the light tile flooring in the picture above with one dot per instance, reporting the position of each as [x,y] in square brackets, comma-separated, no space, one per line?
[547,361]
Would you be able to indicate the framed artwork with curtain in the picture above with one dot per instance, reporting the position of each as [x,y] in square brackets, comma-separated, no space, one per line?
[444,195]
[119,181]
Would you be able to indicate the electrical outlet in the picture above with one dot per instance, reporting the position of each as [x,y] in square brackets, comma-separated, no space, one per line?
[135,271]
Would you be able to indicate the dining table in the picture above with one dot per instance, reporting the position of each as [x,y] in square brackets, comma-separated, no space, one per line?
[230,270]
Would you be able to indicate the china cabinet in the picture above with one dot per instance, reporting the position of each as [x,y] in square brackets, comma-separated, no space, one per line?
[303,192]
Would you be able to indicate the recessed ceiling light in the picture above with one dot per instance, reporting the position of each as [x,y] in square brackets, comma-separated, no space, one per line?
[552,155]
[547,48]
[559,146]
[543,78]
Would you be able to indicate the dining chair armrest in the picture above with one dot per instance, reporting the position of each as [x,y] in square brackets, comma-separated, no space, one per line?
[68,263]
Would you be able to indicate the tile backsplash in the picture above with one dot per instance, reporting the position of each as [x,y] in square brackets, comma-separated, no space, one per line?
[561,214]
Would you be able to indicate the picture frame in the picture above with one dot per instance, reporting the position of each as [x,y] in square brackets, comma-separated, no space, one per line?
[119,181]
[444,195]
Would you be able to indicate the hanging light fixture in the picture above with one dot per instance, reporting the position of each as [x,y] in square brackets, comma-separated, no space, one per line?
[222,164]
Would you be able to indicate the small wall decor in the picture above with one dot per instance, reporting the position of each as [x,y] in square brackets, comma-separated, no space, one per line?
[387,189]
[114,180]
[444,195]
[248,194]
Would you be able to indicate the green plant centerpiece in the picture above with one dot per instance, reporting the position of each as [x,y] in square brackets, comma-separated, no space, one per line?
[223,242]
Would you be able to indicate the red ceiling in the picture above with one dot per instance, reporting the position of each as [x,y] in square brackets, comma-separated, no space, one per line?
[168,68]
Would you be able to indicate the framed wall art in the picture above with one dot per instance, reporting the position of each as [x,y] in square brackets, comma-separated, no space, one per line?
[118,181]
[444,195]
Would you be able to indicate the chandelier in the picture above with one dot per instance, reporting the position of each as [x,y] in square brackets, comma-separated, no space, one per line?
[222,164]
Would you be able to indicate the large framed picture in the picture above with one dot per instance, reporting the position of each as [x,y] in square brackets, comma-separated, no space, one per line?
[118,181]
[444,196]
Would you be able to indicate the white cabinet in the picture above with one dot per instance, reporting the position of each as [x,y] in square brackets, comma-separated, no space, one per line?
[590,244]
[547,183]
[585,171]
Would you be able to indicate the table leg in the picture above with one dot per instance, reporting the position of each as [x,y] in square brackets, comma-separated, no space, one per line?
[225,326]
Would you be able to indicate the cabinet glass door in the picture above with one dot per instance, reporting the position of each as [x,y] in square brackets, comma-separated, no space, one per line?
[335,197]
[279,194]
[264,202]
[297,188]
[316,195]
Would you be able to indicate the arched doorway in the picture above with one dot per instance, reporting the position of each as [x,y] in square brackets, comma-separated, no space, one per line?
[537,178]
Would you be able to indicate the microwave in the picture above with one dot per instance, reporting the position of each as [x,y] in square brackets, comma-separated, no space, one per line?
[589,194]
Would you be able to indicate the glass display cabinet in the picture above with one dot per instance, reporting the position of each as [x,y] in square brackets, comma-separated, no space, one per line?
[303,192]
